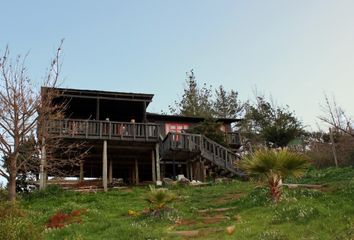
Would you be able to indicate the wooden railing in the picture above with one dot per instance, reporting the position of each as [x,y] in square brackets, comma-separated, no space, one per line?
[208,149]
[94,129]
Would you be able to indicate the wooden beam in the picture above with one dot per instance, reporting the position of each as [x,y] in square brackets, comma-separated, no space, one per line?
[171,162]
[136,172]
[81,170]
[110,172]
[187,171]
[153,166]
[104,166]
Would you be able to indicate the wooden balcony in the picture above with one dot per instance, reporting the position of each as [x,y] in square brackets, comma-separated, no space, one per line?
[106,130]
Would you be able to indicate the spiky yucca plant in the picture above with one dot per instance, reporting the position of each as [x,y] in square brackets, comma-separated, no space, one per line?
[273,166]
[158,199]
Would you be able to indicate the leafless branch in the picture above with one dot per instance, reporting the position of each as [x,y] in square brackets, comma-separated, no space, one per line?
[336,117]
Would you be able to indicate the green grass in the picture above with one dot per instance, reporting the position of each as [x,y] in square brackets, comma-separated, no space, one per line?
[302,213]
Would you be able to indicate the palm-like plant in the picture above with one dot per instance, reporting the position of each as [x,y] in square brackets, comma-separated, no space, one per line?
[158,199]
[274,166]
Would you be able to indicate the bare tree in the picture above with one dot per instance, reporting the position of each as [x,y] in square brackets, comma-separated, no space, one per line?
[18,111]
[58,157]
[22,111]
[336,117]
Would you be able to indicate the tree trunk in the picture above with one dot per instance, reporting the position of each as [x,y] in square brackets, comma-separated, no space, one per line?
[275,184]
[12,187]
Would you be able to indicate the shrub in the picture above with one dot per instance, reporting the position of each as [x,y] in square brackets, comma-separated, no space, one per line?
[61,219]
[14,224]
[3,194]
[49,191]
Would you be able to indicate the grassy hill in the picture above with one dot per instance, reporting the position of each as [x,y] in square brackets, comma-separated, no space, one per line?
[327,213]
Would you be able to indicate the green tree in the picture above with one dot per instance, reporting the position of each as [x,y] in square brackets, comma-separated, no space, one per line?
[273,125]
[226,104]
[211,129]
[195,102]
[273,166]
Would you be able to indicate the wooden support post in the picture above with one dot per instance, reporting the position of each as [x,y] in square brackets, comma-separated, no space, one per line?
[204,172]
[187,171]
[43,170]
[81,171]
[174,168]
[191,170]
[157,157]
[110,172]
[104,166]
[153,166]
[136,172]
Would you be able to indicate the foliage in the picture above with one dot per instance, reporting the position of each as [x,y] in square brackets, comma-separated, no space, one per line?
[295,213]
[61,219]
[226,104]
[195,102]
[274,166]
[273,125]
[211,129]
[158,199]
[3,194]
[49,191]
[200,102]
[15,224]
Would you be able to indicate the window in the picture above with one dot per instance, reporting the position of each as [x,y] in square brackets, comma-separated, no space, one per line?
[176,127]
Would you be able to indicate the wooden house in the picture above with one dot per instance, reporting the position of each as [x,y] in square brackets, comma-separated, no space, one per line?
[128,142]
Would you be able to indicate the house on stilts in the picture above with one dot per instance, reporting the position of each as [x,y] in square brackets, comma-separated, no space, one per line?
[130,143]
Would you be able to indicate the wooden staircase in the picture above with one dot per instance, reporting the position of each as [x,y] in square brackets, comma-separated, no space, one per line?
[216,155]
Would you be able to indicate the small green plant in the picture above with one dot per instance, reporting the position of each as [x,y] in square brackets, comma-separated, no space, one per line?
[272,235]
[297,213]
[158,200]
[273,166]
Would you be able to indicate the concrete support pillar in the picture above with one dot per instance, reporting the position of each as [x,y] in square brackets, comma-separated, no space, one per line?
[136,172]
[153,167]
[43,167]
[110,172]
[104,166]
[157,155]
[81,170]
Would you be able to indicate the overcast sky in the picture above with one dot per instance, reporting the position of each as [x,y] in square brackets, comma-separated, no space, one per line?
[294,50]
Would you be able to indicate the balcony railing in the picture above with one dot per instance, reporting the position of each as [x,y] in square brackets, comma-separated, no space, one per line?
[94,129]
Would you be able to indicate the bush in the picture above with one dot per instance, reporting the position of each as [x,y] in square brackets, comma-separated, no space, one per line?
[14,224]
[49,191]
[61,219]
[3,194]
